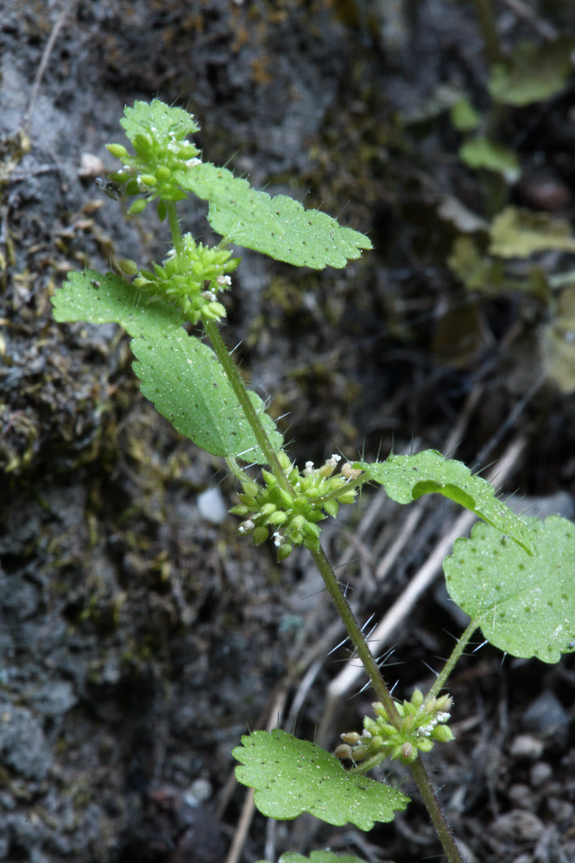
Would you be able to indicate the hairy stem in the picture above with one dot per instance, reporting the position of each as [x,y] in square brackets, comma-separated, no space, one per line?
[175,227]
[250,412]
[436,812]
[451,662]
[369,662]
[355,633]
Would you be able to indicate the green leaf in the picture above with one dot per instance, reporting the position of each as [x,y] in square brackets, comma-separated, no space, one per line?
[524,605]
[517,233]
[98,299]
[464,116]
[483,153]
[166,120]
[557,341]
[476,271]
[179,373]
[278,227]
[533,73]
[408,477]
[292,776]
[186,383]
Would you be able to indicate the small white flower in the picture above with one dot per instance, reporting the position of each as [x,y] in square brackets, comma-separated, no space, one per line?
[332,462]
[246,526]
[278,539]
[442,717]
[308,468]
[209,295]
[191,163]
[224,280]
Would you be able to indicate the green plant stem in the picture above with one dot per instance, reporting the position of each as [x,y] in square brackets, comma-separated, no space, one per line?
[484,10]
[451,662]
[356,635]
[250,413]
[177,238]
[435,810]
[369,662]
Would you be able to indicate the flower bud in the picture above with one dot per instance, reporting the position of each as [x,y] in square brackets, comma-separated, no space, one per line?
[379,710]
[298,522]
[251,488]
[284,461]
[331,507]
[343,751]
[277,518]
[408,753]
[117,150]
[388,730]
[286,498]
[239,510]
[360,752]
[128,267]
[260,535]
[443,734]
[162,173]
[138,207]
[148,179]
[425,744]
[347,496]
[417,698]
[407,724]
[351,737]
[284,551]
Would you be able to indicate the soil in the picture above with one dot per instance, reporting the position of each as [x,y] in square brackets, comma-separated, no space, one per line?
[139,637]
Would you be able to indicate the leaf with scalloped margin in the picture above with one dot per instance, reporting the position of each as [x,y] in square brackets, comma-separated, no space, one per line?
[317,857]
[408,477]
[524,605]
[519,233]
[278,227]
[180,374]
[533,73]
[164,119]
[292,776]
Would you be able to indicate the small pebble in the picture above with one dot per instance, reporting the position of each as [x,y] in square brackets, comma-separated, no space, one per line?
[211,506]
[524,858]
[547,716]
[521,796]
[540,773]
[526,746]
[561,810]
[518,826]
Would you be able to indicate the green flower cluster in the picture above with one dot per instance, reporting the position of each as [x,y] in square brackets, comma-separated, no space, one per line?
[191,280]
[294,518]
[161,151]
[422,725]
